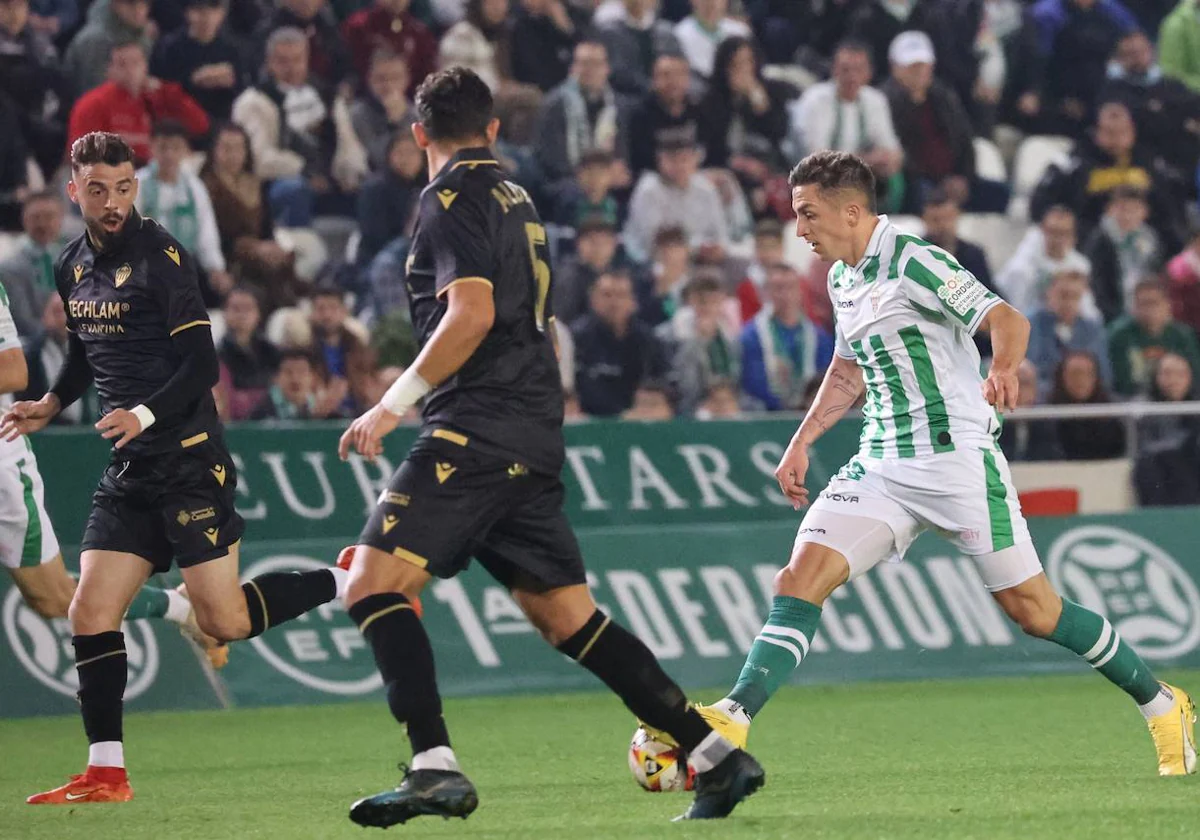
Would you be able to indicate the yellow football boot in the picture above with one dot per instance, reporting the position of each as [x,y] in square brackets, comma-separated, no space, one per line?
[729,728]
[1174,736]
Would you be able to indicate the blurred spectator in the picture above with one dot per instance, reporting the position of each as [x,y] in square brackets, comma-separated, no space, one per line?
[970,56]
[482,42]
[677,195]
[745,116]
[940,216]
[595,254]
[1165,111]
[28,273]
[1046,249]
[203,58]
[581,114]
[1077,381]
[54,18]
[1167,468]
[389,25]
[667,105]
[382,110]
[248,360]
[589,196]
[847,115]
[659,288]
[110,23]
[1012,23]
[701,32]
[768,250]
[131,101]
[1059,328]
[614,351]
[1123,249]
[1183,274]
[45,353]
[781,349]
[301,137]
[700,342]
[328,59]
[383,278]
[345,355]
[14,169]
[1078,36]
[294,395]
[634,37]
[1138,340]
[651,404]
[814,287]
[388,198]
[1177,44]
[878,22]
[1029,440]
[31,78]
[1100,164]
[244,220]
[720,403]
[547,37]
[934,131]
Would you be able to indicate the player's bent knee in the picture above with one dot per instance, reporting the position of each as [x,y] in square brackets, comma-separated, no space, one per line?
[89,615]
[1033,605]
[374,572]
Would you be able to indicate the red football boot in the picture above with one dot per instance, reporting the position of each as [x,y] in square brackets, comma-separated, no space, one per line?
[96,784]
[346,558]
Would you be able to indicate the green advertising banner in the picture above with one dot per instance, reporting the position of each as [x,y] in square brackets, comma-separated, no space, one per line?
[683,532]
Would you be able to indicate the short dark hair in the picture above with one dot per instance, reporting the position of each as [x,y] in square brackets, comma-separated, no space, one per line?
[1122,192]
[98,147]
[673,235]
[596,157]
[1150,283]
[328,292]
[302,353]
[595,223]
[125,43]
[705,281]
[170,128]
[937,197]
[454,104]
[854,45]
[243,289]
[768,229]
[41,195]
[836,172]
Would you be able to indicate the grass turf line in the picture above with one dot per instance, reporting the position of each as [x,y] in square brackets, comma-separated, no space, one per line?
[1059,757]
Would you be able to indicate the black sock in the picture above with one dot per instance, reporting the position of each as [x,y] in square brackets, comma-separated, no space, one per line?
[102,667]
[623,662]
[277,597]
[405,659]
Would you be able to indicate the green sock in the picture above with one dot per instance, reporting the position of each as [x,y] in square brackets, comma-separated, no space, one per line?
[149,603]
[1091,636]
[776,652]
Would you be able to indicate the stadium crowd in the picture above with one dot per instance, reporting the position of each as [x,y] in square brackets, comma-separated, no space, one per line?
[656,137]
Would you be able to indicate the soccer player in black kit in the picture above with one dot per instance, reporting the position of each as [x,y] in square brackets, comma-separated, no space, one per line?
[140,331]
[483,480]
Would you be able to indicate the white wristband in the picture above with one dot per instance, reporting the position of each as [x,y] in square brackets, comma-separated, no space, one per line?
[144,415]
[405,392]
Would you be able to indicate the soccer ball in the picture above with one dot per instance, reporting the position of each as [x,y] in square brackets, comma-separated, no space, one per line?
[658,765]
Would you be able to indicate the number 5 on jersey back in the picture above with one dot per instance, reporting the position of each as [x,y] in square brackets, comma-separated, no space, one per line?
[541,269]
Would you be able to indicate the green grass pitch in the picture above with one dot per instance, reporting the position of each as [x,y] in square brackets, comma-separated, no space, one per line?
[1052,757]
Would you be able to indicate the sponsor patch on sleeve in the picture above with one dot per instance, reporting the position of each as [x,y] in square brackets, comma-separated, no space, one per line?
[962,292]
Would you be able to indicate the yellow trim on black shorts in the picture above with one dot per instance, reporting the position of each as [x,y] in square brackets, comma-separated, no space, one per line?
[453,437]
[194,440]
[412,557]
[466,280]
[189,325]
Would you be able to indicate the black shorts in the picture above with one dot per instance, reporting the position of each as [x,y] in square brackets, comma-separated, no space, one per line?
[447,504]
[178,505]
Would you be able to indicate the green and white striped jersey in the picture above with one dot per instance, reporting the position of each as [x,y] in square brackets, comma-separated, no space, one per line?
[8,340]
[907,312]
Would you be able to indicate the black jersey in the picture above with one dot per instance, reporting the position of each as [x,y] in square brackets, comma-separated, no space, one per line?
[475,226]
[125,303]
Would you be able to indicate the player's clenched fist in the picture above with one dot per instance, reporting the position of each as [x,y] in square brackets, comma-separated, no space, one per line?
[790,474]
[28,416]
[366,434]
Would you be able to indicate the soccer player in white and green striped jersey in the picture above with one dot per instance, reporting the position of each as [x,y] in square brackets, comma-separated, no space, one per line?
[906,312]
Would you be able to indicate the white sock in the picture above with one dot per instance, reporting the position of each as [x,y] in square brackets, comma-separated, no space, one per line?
[340,579]
[1160,705]
[106,754]
[178,607]
[734,709]
[709,753]
[438,758]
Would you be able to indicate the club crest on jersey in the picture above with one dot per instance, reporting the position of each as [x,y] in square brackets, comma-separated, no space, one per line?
[78,272]
[122,275]
[875,298]
[961,292]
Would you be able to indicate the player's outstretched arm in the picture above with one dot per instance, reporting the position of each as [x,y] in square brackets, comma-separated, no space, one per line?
[1009,330]
[842,386]
[470,312]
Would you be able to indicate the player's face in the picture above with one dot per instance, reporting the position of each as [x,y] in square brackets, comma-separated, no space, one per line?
[823,222]
[1174,377]
[105,196]
[42,221]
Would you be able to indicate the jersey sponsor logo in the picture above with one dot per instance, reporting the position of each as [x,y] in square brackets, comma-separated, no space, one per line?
[840,497]
[188,516]
[389,522]
[444,470]
[390,497]
[961,292]
[100,310]
[845,304]
[43,646]
[78,272]
[123,274]
[218,472]
[447,198]
[172,252]
[812,530]
[1142,590]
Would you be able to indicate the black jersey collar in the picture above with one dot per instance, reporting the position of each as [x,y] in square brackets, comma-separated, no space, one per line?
[472,157]
[132,225]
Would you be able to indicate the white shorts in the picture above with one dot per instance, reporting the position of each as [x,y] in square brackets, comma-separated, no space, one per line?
[26,535]
[966,496]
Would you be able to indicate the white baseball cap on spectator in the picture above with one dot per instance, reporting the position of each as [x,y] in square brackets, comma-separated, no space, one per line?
[912,47]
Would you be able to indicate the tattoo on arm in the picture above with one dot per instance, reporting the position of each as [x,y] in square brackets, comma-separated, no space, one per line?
[842,394]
